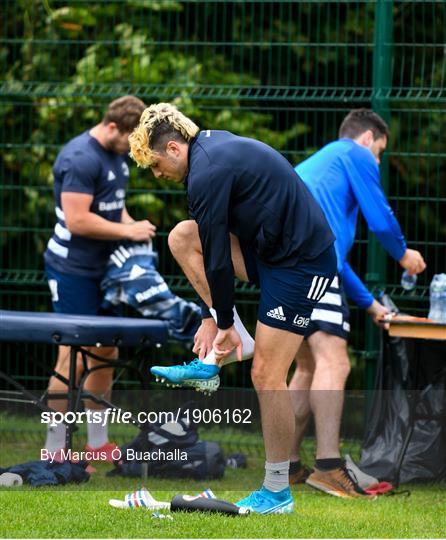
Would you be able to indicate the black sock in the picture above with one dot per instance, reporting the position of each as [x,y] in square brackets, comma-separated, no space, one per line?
[329,464]
[295,466]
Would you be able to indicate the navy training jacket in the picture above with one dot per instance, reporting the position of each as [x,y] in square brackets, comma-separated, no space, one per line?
[242,186]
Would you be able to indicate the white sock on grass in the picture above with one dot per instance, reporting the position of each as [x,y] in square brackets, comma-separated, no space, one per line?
[55,437]
[276,475]
[97,433]
[247,342]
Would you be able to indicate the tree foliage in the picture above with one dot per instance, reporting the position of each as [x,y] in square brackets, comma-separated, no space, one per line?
[282,72]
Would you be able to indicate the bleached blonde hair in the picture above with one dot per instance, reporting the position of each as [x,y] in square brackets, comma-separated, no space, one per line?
[142,140]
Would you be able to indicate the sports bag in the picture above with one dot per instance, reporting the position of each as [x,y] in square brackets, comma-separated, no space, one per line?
[132,278]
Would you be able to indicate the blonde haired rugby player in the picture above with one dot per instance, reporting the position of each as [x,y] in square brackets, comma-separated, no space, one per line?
[249,218]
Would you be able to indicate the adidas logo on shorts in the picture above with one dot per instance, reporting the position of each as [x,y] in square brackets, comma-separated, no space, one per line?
[277,313]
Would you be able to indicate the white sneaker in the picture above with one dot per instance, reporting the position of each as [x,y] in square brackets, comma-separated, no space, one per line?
[364,480]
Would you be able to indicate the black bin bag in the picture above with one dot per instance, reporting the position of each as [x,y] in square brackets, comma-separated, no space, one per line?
[405,435]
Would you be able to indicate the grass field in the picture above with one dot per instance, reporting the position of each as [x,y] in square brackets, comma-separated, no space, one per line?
[82,511]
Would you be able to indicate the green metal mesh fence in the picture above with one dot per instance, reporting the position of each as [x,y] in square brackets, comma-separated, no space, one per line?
[285,72]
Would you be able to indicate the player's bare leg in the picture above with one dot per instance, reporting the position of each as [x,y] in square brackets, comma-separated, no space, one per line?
[299,388]
[275,350]
[332,367]
[98,383]
[185,245]
[62,367]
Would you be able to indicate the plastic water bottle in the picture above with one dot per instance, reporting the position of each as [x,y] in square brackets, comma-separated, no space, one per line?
[435,291]
[408,281]
[437,310]
[387,302]
[442,301]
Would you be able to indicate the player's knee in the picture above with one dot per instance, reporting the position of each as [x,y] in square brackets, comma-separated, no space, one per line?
[182,236]
[302,378]
[339,365]
[258,379]
[265,379]
[344,368]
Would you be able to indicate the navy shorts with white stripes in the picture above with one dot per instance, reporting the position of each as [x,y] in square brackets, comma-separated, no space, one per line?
[331,315]
[78,295]
[288,295]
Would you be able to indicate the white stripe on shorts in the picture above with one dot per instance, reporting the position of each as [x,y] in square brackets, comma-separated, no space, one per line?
[332,299]
[322,289]
[313,284]
[326,316]
[318,287]
[52,284]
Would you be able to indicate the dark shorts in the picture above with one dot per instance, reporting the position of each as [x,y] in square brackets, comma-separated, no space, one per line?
[331,315]
[288,295]
[73,294]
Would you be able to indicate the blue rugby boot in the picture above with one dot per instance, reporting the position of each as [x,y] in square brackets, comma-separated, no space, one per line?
[264,501]
[202,377]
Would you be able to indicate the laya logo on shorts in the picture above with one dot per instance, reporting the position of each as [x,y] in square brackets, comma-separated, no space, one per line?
[277,313]
[301,322]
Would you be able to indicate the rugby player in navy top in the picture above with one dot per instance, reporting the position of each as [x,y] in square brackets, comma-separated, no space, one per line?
[250,218]
[90,179]
[344,178]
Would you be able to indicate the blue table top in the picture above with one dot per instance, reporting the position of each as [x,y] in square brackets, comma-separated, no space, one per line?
[62,329]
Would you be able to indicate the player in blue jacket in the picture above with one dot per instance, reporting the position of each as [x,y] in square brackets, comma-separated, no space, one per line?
[250,219]
[344,178]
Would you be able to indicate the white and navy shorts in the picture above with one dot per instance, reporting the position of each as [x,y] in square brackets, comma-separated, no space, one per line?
[289,295]
[331,314]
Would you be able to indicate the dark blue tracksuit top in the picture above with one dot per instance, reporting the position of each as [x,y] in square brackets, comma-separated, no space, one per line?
[242,186]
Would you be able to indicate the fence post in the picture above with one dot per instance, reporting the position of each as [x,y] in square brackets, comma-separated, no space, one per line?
[382,84]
